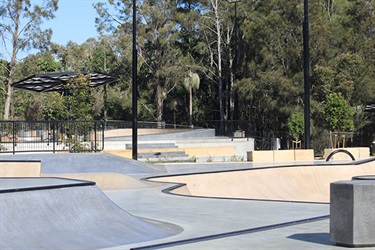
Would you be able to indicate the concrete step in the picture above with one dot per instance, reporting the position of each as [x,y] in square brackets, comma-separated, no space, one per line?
[167,160]
[160,155]
[152,145]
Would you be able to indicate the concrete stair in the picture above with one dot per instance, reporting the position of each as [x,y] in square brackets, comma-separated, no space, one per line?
[154,152]
[164,156]
[198,145]
[152,145]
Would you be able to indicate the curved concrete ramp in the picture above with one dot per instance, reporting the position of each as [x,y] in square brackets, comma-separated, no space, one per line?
[73,217]
[288,183]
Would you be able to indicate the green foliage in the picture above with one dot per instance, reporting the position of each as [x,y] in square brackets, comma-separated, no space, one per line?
[21,23]
[192,81]
[338,113]
[296,126]
[48,64]
[202,37]
[79,101]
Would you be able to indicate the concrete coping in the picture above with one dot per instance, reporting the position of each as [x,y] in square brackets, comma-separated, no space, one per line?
[9,185]
[364,177]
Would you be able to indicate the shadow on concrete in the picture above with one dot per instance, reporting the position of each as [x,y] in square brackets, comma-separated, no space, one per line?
[317,238]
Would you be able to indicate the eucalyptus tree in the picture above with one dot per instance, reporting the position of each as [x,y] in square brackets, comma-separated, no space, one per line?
[20,29]
[213,33]
[343,58]
[157,32]
[4,74]
[272,85]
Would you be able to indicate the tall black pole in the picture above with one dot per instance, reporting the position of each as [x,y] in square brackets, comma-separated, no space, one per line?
[232,94]
[135,92]
[306,73]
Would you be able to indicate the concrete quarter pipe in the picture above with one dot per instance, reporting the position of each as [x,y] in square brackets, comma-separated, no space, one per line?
[69,217]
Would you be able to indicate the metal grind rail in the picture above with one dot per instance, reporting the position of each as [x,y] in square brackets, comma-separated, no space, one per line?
[51,136]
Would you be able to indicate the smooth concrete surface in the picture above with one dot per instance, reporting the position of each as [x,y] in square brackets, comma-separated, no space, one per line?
[23,184]
[293,183]
[352,213]
[283,155]
[260,155]
[73,217]
[20,168]
[208,223]
[87,163]
[303,154]
[106,181]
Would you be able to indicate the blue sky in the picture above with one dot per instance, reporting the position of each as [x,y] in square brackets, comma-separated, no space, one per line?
[74,21]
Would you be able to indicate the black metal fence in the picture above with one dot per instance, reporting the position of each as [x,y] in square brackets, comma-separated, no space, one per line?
[51,136]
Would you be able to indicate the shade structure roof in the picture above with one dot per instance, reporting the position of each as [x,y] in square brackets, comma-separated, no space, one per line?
[55,81]
[370,106]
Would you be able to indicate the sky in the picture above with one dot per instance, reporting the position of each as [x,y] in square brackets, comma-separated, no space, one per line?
[74,21]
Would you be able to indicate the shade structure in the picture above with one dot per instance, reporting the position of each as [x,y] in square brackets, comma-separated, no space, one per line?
[56,81]
[370,106]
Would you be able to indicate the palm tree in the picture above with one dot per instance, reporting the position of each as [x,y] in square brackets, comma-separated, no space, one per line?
[191,82]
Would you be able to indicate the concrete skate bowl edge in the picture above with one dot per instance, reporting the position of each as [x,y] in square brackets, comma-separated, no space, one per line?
[283,183]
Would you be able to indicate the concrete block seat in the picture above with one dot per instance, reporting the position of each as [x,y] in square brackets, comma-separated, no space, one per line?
[352,212]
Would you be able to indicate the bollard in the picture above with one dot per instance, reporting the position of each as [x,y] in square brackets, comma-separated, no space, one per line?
[352,212]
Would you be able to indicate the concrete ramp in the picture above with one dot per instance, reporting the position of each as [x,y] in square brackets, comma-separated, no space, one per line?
[287,183]
[68,214]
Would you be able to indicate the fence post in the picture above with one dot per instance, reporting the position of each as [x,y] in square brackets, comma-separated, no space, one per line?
[95,137]
[13,135]
[53,136]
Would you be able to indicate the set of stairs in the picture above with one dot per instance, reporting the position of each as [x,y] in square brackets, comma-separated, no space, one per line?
[159,152]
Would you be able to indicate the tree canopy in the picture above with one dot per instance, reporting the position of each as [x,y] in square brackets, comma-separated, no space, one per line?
[250,65]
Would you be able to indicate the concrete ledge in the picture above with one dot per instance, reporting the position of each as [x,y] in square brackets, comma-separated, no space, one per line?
[141,131]
[352,213]
[260,155]
[281,155]
[304,155]
[20,168]
[361,152]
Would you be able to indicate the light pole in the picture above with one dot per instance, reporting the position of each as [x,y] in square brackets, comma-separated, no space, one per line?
[135,92]
[306,73]
[235,65]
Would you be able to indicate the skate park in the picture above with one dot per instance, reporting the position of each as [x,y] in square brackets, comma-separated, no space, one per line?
[107,201]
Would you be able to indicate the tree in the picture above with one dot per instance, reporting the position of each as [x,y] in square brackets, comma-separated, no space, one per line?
[22,36]
[31,105]
[338,113]
[79,101]
[191,82]
[271,87]
[296,126]
[4,66]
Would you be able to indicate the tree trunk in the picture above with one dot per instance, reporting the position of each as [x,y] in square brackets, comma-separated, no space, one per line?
[12,66]
[191,105]
[159,102]
[215,5]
